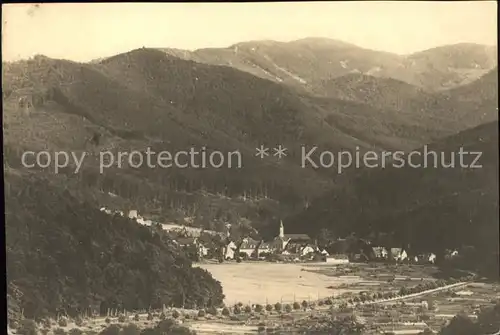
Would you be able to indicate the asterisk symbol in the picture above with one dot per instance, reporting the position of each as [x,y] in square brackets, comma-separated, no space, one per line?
[280,152]
[262,152]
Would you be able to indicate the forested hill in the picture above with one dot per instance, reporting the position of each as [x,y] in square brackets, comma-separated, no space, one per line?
[425,209]
[66,255]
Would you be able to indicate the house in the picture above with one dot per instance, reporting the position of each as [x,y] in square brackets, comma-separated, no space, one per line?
[203,251]
[291,242]
[308,249]
[186,242]
[248,246]
[230,248]
[425,258]
[432,258]
[265,248]
[132,214]
[449,254]
[399,254]
[380,252]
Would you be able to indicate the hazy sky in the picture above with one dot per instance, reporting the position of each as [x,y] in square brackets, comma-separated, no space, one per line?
[87,31]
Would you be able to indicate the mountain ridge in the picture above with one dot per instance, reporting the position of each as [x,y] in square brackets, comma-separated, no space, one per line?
[432,69]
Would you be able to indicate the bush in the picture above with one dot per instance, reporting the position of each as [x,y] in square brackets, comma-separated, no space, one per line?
[240,304]
[47,323]
[59,331]
[320,303]
[165,326]
[329,301]
[269,307]
[305,304]
[296,305]
[278,307]
[131,329]
[108,320]
[225,311]
[212,310]
[163,316]
[261,329]
[248,309]
[79,322]
[137,317]
[62,322]
[27,327]
[237,309]
[13,324]
[181,330]
[150,317]
[75,331]
[175,314]
[288,308]
[111,330]
[122,318]
[258,308]
[201,313]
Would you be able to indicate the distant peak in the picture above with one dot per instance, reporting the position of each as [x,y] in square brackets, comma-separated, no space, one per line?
[311,41]
[255,43]
[322,41]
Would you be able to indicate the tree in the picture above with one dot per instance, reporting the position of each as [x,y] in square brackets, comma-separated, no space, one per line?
[111,330]
[27,327]
[489,319]
[131,329]
[461,325]
[325,238]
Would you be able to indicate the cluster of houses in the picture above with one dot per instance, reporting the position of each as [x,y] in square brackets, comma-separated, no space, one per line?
[293,246]
[298,245]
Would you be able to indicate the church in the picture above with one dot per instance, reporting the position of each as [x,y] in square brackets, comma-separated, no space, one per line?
[290,242]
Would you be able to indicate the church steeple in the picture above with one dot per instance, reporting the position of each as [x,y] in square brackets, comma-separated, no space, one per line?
[282,229]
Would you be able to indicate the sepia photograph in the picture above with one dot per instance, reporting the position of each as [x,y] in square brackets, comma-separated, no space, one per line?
[323,168]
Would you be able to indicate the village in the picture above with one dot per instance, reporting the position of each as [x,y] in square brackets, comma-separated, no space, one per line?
[246,245]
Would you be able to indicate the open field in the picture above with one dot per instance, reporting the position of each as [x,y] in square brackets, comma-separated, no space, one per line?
[271,282]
